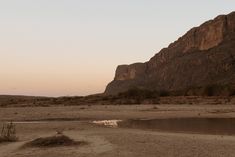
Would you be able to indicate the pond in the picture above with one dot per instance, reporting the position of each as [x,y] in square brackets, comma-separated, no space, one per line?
[214,126]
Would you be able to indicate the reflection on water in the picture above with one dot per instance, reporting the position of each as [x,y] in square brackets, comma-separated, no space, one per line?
[219,126]
[109,123]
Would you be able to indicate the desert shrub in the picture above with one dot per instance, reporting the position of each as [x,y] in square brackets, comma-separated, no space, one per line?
[210,90]
[8,133]
[194,91]
[155,101]
[53,141]
[232,93]
[218,90]
[163,93]
[139,94]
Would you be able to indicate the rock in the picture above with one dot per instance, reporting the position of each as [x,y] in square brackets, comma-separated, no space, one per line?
[204,55]
[128,72]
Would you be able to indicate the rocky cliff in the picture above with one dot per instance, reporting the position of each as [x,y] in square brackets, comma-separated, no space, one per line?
[204,55]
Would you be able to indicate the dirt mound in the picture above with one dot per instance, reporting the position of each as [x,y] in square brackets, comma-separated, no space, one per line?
[54,141]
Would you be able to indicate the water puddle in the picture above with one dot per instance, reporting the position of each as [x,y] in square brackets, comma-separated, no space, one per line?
[213,126]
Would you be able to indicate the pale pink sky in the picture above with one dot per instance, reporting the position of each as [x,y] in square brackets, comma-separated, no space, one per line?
[72,47]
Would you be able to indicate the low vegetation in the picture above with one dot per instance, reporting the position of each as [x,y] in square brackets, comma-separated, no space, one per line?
[211,90]
[138,96]
[8,133]
[131,96]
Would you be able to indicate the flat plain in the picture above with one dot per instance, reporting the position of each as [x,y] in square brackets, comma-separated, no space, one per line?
[76,122]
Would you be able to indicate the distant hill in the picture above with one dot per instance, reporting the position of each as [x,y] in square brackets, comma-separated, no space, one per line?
[203,59]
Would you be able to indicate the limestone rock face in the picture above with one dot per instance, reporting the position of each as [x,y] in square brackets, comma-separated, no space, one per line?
[207,36]
[204,55]
[128,72]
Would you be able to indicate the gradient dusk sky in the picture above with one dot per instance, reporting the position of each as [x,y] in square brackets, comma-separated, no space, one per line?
[72,47]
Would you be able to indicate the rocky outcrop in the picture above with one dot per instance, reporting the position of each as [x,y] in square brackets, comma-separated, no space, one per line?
[204,55]
[128,72]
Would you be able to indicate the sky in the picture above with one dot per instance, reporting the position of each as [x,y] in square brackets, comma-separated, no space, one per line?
[72,47]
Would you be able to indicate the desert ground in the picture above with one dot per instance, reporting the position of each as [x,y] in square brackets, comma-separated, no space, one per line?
[106,141]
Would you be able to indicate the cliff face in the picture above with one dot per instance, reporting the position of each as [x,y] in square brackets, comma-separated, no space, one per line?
[128,72]
[204,55]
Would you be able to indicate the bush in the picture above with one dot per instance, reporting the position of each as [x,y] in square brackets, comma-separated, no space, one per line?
[232,93]
[211,90]
[164,93]
[8,133]
[218,90]
[139,94]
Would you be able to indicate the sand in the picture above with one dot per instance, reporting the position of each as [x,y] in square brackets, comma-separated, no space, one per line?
[103,141]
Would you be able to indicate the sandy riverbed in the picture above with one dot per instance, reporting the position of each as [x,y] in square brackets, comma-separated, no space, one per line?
[103,141]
